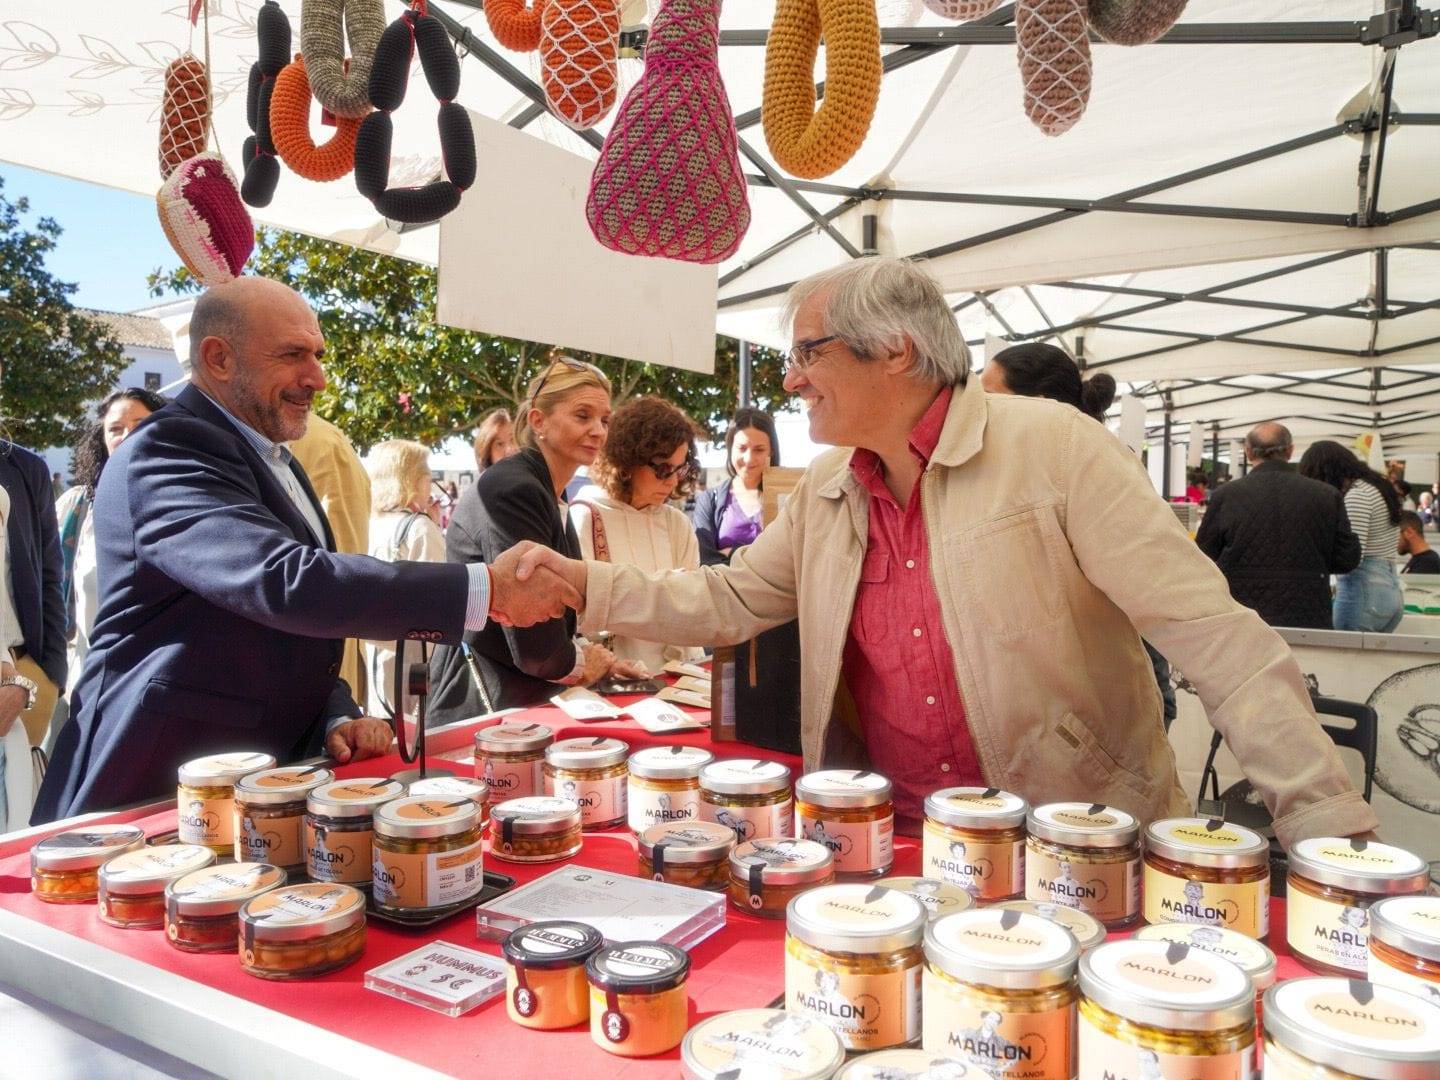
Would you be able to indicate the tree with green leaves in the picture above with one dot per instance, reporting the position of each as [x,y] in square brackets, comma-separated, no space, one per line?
[54,359]
[394,372]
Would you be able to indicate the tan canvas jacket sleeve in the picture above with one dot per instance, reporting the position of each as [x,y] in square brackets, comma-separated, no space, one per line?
[1247,679]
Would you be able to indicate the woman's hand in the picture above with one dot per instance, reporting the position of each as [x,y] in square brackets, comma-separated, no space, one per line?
[598,662]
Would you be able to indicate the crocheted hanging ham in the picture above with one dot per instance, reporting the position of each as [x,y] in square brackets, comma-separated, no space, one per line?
[204,220]
[579,55]
[962,10]
[668,180]
[1134,22]
[1054,52]
[184,112]
[257,157]
[514,25]
[340,85]
[290,129]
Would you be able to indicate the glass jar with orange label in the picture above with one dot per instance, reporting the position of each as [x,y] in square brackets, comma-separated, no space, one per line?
[63,867]
[1405,944]
[853,962]
[510,759]
[1088,930]
[766,1043]
[340,828]
[1159,1009]
[535,829]
[300,931]
[750,795]
[766,874]
[205,798]
[1085,856]
[999,993]
[853,814]
[545,984]
[131,891]
[1345,1029]
[695,854]
[1330,886]
[428,855]
[591,772]
[270,815]
[975,838]
[665,785]
[639,1004]
[202,909]
[1208,872]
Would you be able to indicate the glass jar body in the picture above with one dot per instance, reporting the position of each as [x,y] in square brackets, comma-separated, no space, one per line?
[1029,1032]
[203,933]
[652,1023]
[1285,1064]
[550,847]
[659,802]
[206,816]
[1236,899]
[1102,881]
[601,793]
[989,864]
[861,838]
[418,876]
[339,850]
[64,886]
[271,834]
[1390,966]
[552,998]
[713,875]
[773,899]
[1327,927]
[512,774]
[870,1000]
[751,816]
[1108,1042]
[280,960]
[133,911]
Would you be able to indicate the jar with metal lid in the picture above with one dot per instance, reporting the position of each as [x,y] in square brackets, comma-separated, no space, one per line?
[1088,930]
[1162,1009]
[510,759]
[999,993]
[1405,944]
[1329,889]
[639,1004]
[205,798]
[770,1043]
[853,814]
[1253,957]
[428,854]
[665,785]
[938,898]
[270,815]
[750,795]
[545,984]
[975,838]
[131,888]
[536,829]
[917,1064]
[300,931]
[340,828]
[1085,856]
[591,772]
[202,909]
[766,874]
[1346,1029]
[853,961]
[455,787]
[63,867]
[1205,871]
[691,853]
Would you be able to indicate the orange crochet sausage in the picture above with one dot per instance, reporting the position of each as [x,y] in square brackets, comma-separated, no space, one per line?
[515,26]
[184,112]
[579,56]
[290,129]
[1054,48]
[807,142]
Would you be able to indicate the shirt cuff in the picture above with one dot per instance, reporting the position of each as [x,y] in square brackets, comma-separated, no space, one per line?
[477,607]
[578,671]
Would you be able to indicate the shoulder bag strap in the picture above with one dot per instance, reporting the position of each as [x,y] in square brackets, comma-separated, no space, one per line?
[597,531]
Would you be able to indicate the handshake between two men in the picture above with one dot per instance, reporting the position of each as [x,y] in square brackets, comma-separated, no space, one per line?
[531,583]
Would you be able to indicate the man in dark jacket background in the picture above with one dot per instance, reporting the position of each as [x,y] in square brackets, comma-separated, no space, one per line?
[1277,537]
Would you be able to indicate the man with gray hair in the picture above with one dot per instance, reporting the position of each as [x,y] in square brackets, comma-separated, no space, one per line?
[1277,536]
[969,581]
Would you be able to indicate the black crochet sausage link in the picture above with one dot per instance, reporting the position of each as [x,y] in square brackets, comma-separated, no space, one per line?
[262,170]
[272,27]
[390,73]
[437,58]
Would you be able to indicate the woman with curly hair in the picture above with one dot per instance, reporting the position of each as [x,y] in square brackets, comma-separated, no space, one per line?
[648,460]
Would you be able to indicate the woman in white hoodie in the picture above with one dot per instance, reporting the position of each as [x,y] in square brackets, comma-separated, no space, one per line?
[648,460]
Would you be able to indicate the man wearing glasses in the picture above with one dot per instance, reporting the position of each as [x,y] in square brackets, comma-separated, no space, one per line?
[970,579]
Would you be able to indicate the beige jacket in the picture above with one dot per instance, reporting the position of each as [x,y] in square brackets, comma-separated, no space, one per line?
[1049,549]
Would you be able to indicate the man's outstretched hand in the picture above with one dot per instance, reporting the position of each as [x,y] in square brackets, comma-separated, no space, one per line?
[527,588]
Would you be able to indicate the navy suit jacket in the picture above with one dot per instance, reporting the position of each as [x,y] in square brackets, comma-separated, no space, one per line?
[35,566]
[220,619]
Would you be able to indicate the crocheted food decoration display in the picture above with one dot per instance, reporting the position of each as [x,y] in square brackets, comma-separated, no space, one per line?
[962,10]
[579,56]
[204,220]
[1054,50]
[514,25]
[341,87]
[184,112]
[290,129]
[668,180]
[257,158]
[807,142]
[414,32]
[1134,22]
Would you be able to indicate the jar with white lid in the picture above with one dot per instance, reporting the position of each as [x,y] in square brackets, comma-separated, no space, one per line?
[974,837]
[909,1064]
[1085,856]
[205,798]
[454,787]
[300,931]
[536,829]
[1253,957]
[510,759]
[1346,1029]
[852,812]
[938,898]
[428,854]
[131,890]
[664,785]
[769,1043]
[1329,889]
[1405,944]
[1088,930]
[202,908]
[340,828]
[1207,871]
[1161,1009]
[270,815]
[999,993]
[591,772]
[853,961]
[750,795]
[695,854]
[766,874]
[63,867]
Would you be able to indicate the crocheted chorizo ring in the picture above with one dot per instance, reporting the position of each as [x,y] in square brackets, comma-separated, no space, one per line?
[204,220]
[403,38]
[262,171]
[514,25]
[344,91]
[1054,53]
[290,129]
[1134,22]
[807,142]
[184,112]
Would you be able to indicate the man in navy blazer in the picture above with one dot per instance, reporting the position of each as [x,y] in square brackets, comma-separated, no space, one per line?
[223,606]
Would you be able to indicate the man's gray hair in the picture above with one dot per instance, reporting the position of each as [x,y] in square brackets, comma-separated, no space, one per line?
[874,303]
[214,315]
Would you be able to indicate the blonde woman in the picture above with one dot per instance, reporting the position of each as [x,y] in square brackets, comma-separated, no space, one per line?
[401,529]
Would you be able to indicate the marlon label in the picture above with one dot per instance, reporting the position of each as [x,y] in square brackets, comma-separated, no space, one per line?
[1327,932]
[511,779]
[1244,907]
[868,1012]
[268,840]
[1109,891]
[600,800]
[210,822]
[339,855]
[432,880]
[986,871]
[1008,1045]
[753,822]
[859,847]
[649,807]
[1101,1056]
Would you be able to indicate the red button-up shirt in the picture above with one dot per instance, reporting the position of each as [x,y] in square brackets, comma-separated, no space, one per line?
[898,664]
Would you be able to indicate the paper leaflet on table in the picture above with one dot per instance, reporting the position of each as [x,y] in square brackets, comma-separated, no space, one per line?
[689,682]
[584,705]
[660,717]
[685,667]
[684,697]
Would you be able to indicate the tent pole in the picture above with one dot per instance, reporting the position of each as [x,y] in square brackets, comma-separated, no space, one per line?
[1215,444]
[1165,454]
[745,362]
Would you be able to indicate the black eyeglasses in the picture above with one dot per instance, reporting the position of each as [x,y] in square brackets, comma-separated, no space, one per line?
[802,353]
[567,361]
[663,470]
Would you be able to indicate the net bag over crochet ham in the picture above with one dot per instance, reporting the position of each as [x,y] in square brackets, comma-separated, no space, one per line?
[579,57]
[514,25]
[1054,54]
[1134,22]
[807,142]
[184,112]
[257,157]
[324,24]
[204,220]
[962,10]
[668,180]
[290,129]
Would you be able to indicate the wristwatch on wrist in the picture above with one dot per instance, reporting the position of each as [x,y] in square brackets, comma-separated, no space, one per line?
[28,685]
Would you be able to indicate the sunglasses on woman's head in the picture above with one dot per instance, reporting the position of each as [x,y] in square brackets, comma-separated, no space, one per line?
[567,361]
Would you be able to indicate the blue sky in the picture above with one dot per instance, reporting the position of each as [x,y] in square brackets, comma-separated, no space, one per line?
[112,239]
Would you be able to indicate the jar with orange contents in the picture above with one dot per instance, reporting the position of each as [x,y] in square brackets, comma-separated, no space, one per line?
[202,909]
[63,867]
[132,886]
[1085,856]
[1405,944]
[1348,1029]
[639,1004]
[545,983]
[853,814]
[1207,871]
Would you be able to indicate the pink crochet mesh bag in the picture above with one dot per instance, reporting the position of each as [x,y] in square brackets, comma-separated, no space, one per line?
[204,219]
[668,182]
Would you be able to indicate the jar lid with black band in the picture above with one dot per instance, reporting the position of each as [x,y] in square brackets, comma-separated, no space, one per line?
[1359,865]
[638,967]
[534,815]
[1207,842]
[976,808]
[686,843]
[550,945]
[781,861]
[1078,824]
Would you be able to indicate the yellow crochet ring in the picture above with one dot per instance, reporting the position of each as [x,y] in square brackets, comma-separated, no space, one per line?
[807,142]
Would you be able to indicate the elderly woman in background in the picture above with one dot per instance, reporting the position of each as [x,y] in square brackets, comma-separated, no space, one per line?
[649,459]
[728,517]
[401,529]
[494,439]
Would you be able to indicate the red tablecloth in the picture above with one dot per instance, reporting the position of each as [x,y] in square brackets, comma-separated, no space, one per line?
[741,966]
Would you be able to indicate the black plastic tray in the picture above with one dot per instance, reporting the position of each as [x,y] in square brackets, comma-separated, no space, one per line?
[495,884]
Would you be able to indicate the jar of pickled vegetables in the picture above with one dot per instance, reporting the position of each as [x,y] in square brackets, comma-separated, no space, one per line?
[205,798]
[63,867]
[691,853]
[202,909]
[428,855]
[131,890]
[853,814]
[766,874]
[300,931]
[510,760]
[975,838]
[591,772]
[1085,856]
[270,815]
[340,828]
[750,795]
[536,829]
[1200,870]
[665,785]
